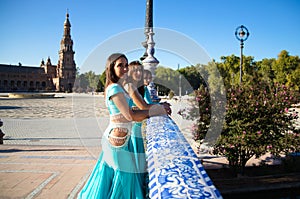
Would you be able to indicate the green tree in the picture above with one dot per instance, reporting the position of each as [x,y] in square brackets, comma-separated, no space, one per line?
[214,78]
[101,82]
[265,71]
[193,78]
[103,78]
[83,83]
[229,68]
[286,69]
[77,72]
[166,79]
[92,79]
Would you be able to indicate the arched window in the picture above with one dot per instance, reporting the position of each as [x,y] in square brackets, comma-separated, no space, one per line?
[18,84]
[43,85]
[37,85]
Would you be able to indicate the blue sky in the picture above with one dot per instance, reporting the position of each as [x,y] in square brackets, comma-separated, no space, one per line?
[31,30]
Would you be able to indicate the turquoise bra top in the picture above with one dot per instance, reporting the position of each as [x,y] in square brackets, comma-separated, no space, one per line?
[112,90]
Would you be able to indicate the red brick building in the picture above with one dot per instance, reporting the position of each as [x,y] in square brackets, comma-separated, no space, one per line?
[47,77]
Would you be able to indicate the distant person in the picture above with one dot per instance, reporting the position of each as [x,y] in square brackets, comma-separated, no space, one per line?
[115,174]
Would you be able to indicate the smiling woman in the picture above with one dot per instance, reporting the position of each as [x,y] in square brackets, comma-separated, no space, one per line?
[115,174]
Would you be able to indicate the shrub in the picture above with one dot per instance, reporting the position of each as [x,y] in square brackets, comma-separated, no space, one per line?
[259,119]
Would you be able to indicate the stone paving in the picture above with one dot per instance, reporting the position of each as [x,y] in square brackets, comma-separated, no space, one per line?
[61,106]
[51,145]
[67,120]
[43,171]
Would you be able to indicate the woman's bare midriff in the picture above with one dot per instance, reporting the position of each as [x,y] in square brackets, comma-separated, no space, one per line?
[118,135]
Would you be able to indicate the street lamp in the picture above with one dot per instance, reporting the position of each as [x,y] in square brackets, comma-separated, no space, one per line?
[242,34]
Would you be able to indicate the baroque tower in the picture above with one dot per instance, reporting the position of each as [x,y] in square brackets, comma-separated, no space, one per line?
[66,67]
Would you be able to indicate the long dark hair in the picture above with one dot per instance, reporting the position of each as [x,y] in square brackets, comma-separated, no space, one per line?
[111,76]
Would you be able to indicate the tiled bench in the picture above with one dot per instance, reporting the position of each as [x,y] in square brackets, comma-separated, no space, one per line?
[174,169]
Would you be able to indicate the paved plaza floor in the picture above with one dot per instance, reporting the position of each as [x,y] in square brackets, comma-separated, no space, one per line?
[51,145]
[68,120]
[32,171]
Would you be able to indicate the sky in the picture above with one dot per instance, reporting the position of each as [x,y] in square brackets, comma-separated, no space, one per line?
[31,30]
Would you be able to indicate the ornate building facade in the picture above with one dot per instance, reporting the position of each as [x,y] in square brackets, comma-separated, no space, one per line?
[47,77]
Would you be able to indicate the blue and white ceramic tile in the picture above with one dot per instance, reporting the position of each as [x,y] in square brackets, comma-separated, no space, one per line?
[174,169]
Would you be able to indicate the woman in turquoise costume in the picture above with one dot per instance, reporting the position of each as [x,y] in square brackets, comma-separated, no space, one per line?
[115,174]
[134,85]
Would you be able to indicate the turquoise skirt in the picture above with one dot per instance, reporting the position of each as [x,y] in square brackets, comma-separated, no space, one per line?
[138,149]
[115,175]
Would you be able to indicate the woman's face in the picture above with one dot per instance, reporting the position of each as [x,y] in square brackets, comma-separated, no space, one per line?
[136,73]
[121,67]
[147,79]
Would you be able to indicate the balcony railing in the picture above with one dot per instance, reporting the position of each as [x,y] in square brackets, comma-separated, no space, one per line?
[174,169]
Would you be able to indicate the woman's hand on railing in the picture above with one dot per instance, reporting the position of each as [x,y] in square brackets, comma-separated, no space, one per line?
[157,110]
[167,107]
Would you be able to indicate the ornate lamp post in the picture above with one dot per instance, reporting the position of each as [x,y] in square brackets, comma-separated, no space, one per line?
[242,34]
[150,63]
[148,25]
[148,59]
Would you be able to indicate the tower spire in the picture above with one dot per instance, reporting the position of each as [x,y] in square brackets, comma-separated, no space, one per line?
[67,26]
[66,67]
[66,43]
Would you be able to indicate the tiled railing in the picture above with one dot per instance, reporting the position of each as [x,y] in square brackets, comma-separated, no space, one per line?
[174,169]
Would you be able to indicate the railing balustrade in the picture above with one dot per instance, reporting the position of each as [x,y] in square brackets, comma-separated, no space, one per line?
[174,169]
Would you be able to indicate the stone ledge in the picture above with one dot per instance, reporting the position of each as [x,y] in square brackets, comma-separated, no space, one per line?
[30,95]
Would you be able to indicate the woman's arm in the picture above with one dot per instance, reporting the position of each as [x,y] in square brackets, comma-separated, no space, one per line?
[130,115]
[141,104]
[139,100]
[136,97]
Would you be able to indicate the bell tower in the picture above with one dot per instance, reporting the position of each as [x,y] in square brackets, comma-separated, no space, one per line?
[66,67]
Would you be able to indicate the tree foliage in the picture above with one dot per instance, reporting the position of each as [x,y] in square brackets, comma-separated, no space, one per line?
[286,69]
[87,82]
[259,112]
[258,120]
